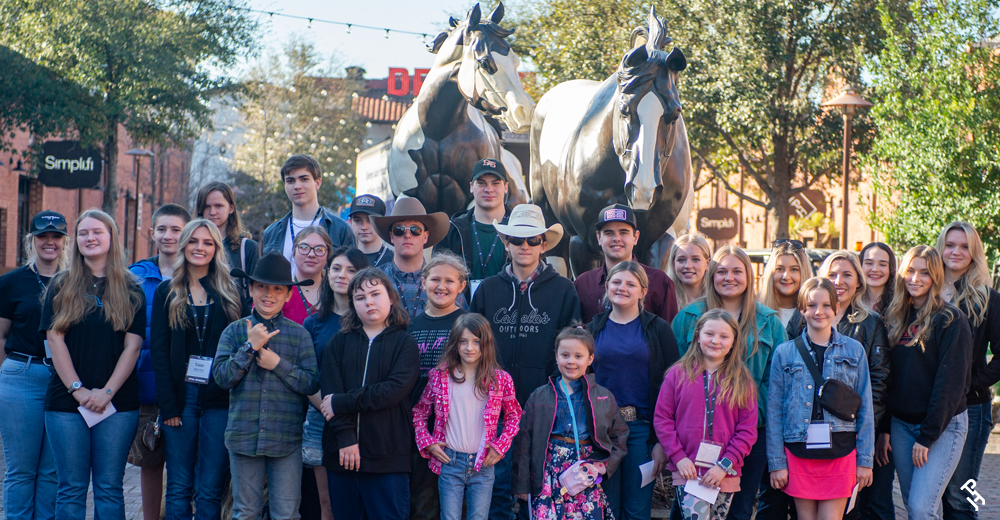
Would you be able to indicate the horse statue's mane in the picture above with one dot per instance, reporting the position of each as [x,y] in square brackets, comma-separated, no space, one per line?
[497,33]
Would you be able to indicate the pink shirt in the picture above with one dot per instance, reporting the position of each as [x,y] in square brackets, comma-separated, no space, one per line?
[295,309]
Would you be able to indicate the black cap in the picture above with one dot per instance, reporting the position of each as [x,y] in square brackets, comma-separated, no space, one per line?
[369,204]
[493,166]
[616,213]
[45,221]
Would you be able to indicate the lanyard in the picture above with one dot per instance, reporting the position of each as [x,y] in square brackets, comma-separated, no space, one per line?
[709,404]
[479,250]
[572,416]
[305,303]
[291,227]
[199,328]
[34,269]
[381,253]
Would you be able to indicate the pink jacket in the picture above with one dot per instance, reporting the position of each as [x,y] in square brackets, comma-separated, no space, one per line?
[679,421]
[437,394]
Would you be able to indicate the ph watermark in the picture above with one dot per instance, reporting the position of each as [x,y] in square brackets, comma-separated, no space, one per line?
[970,488]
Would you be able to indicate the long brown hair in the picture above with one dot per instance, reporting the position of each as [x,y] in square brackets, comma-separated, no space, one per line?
[736,385]
[974,296]
[234,226]
[368,277]
[748,311]
[218,278]
[451,357]
[897,317]
[889,289]
[122,294]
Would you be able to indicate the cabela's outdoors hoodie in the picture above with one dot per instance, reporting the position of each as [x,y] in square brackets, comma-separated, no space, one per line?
[525,324]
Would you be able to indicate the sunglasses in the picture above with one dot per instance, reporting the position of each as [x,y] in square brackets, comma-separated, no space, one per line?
[304,250]
[517,241]
[52,223]
[401,230]
[795,244]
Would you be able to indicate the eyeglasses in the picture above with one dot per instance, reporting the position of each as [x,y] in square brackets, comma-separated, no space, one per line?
[401,230]
[517,241]
[304,250]
[795,244]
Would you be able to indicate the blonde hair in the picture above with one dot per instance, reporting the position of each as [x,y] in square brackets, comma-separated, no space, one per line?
[631,267]
[861,309]
[31,256]
[122,294]
[735,383]
[449,259]
[218,278]
[748,311]
[897,317]
[686,239]
[767,295]
[974,296]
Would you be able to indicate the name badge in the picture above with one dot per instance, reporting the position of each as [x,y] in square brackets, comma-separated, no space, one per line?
[708,453]
[199,370]
[474,284]
[818,436]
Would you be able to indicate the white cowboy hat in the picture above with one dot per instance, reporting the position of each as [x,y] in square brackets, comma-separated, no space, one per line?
[526,221]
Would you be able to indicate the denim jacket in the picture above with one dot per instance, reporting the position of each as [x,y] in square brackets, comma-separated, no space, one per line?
[791,391]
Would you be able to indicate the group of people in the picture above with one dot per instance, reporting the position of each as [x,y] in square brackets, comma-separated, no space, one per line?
[340,370]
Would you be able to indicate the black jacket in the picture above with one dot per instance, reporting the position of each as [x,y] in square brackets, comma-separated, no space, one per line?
[459,237]
[984,375]
[525,324]
[170,351]
[377,415]
[607,430]
[663,352]
[932,377]
[872,335]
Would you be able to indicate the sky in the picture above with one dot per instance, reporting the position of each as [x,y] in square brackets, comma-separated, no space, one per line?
[365,47]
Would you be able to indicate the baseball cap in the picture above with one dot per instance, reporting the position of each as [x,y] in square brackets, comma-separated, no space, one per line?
[493,166]
[45,221]
[369,204]
[616,213]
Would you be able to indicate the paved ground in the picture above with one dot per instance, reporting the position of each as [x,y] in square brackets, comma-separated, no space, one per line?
[988,486]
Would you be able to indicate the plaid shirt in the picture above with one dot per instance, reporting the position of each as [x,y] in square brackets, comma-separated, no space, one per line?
[266,406]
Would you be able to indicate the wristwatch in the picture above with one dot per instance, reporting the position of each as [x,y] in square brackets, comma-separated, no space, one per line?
[247,347]
[75,386]
[727,465]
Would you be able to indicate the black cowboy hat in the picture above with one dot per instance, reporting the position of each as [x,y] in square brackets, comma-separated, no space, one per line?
[272,269]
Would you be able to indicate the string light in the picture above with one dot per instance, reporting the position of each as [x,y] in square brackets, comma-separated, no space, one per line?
[348,26]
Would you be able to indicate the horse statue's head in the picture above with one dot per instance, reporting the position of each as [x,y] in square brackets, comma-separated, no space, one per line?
[485,67]
[647,108]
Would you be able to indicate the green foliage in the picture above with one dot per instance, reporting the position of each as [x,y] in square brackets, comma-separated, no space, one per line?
[295,105]
[937,157]
[757,73]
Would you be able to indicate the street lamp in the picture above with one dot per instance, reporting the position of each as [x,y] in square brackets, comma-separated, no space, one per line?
[848,101]
[136,153]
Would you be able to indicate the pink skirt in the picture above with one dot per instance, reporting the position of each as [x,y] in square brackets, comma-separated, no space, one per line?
[821,479]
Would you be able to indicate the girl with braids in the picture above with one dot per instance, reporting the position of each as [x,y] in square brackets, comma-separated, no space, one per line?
[190,311]
[931,362]
[967,286]
[94,318]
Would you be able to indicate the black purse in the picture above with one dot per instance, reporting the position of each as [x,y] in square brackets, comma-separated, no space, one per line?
[151,435]
[835,396]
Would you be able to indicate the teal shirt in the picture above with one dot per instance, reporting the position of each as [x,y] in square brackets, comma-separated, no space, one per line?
[770,334]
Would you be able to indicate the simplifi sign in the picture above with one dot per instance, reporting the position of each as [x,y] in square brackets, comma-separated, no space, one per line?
[65,164]
[718,223]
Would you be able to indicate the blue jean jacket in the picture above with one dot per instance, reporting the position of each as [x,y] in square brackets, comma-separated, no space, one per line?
[790,397]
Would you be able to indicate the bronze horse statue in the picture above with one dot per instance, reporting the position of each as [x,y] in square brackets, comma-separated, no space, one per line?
[618,141]
[444,134]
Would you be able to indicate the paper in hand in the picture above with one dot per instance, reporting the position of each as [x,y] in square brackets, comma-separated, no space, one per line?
[93,418]
[694,487]
[647,473]
[853,500]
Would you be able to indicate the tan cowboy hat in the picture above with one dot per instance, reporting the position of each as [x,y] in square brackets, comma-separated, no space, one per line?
[411,209]
[526,221]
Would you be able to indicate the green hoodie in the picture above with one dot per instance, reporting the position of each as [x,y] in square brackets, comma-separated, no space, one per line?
[770,334]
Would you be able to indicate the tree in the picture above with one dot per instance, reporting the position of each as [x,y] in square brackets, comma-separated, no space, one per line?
[295,105]
[149,65]
[757,73]
[937,155]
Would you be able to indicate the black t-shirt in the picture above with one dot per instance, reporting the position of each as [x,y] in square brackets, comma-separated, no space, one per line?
[431,334]
[21,303]
[841,443]
[381,257]
[94,346]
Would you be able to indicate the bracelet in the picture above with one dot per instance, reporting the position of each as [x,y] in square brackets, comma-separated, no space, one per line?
[107,391]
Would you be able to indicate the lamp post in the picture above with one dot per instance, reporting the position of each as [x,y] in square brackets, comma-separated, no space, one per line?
[849,102]
[136,153]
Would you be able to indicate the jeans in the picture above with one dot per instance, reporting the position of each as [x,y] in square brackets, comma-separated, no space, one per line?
[459,480]
[628,500]
[502,502]
[355,495]
[956,503]
[284,483]
[753,469]
[83,454]
[196,451]
[922,487]
[29,486]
